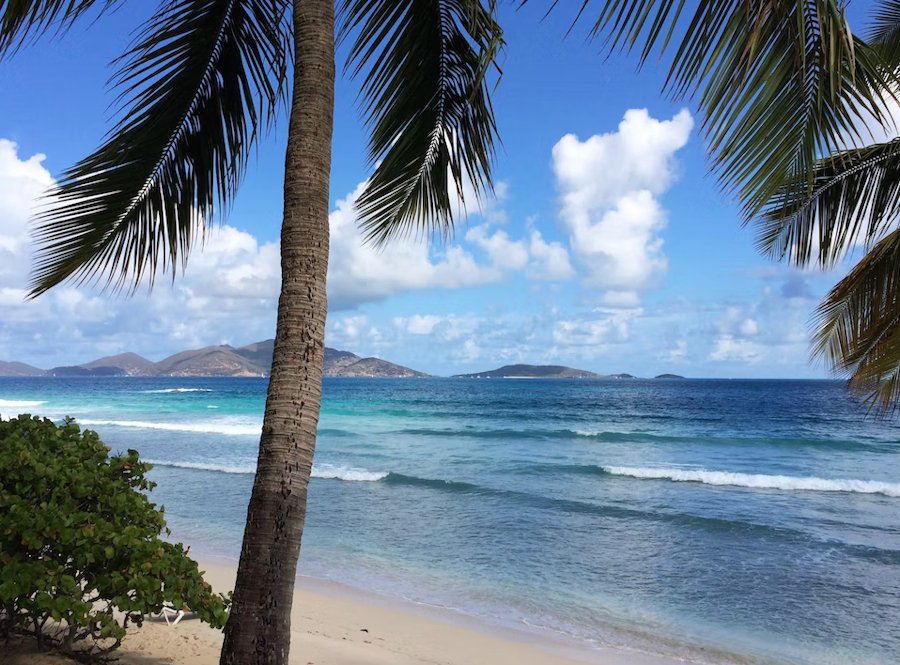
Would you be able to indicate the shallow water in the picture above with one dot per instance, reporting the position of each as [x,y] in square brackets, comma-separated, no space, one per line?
[745,521]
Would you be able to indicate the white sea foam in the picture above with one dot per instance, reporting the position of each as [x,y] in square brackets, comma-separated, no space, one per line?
[325,471]
[200,466]
[19,403]
[179,390]
[241,428]
[758,481]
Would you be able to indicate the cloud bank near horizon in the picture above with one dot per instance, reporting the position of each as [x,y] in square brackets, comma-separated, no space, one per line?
[572,293]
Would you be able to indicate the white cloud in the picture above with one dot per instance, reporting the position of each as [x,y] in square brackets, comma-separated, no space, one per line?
[22,182]
[728,348]
[749,327]
[504,253]
[605,328]
[609,186]
[418,324]
[549,260]
[678,352]
[359,272]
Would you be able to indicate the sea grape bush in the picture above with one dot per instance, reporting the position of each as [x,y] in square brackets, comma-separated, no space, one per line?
[80,550]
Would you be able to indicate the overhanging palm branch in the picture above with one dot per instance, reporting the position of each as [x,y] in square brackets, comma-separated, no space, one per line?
[200,81]
[24,19]
[885,32]
[780,83]
[859,325]
[855,199]
[424,67]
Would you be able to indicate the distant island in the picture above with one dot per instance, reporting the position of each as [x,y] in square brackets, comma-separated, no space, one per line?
[539,372]
[220,360]
[668,376]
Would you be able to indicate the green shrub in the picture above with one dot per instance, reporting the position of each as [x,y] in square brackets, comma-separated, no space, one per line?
[80,549]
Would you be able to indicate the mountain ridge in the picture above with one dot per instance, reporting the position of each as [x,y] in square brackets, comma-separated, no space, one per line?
[217,360]
[523,371]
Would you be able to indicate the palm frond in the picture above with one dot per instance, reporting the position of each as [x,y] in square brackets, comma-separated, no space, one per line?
[780,83]
[885,30]
[21,20]
[855,198]
[424,66]
[858,325]
[200,81]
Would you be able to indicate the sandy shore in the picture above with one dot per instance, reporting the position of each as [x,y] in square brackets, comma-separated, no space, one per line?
[336,625]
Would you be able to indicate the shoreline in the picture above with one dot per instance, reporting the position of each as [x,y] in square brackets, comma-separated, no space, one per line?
[418,632]
[335,624]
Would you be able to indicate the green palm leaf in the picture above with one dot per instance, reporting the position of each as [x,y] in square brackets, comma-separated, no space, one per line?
[855,199]
[780,83]
[200,81]
[859,325]
[424,67]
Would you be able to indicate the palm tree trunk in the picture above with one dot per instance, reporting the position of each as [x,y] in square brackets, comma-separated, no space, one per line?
[258,628]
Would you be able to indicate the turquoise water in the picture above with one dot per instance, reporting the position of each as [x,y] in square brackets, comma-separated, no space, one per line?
[720,521]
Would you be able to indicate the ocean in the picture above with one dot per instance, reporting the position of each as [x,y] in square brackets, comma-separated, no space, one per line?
[717,521]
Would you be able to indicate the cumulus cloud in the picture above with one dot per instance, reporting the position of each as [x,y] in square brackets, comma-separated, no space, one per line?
[540,260]
[589,335]
[609,186]
[549,260]
[360,272]
[22,182]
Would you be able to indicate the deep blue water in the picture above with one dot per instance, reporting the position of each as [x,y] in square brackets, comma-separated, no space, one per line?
[744,521]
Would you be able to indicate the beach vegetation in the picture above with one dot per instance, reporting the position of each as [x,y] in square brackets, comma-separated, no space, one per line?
[82,548]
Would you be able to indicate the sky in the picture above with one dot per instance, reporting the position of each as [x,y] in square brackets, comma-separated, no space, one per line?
[608,245]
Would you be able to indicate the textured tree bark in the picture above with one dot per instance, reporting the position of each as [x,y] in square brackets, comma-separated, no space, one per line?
[258,628]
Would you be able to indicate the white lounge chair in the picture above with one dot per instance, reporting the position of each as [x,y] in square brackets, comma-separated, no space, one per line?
[171,611]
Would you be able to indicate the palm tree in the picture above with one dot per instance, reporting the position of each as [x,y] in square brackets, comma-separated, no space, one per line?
[778,83]
[198,85]
[783,86]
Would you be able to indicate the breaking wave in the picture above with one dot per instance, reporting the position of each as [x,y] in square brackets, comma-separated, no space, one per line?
[324,471]
[179,390]
[757,481]
[205,427]
[19,403]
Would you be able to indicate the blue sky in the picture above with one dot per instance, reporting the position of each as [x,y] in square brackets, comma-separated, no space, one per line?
[608,245]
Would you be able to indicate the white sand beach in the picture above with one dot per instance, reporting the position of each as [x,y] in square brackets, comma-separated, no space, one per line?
[336,625]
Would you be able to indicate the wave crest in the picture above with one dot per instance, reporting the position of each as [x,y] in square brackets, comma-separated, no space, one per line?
[324,471]
[19,403]
[329,472]
[178,390]
[210,427]
[757,481]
